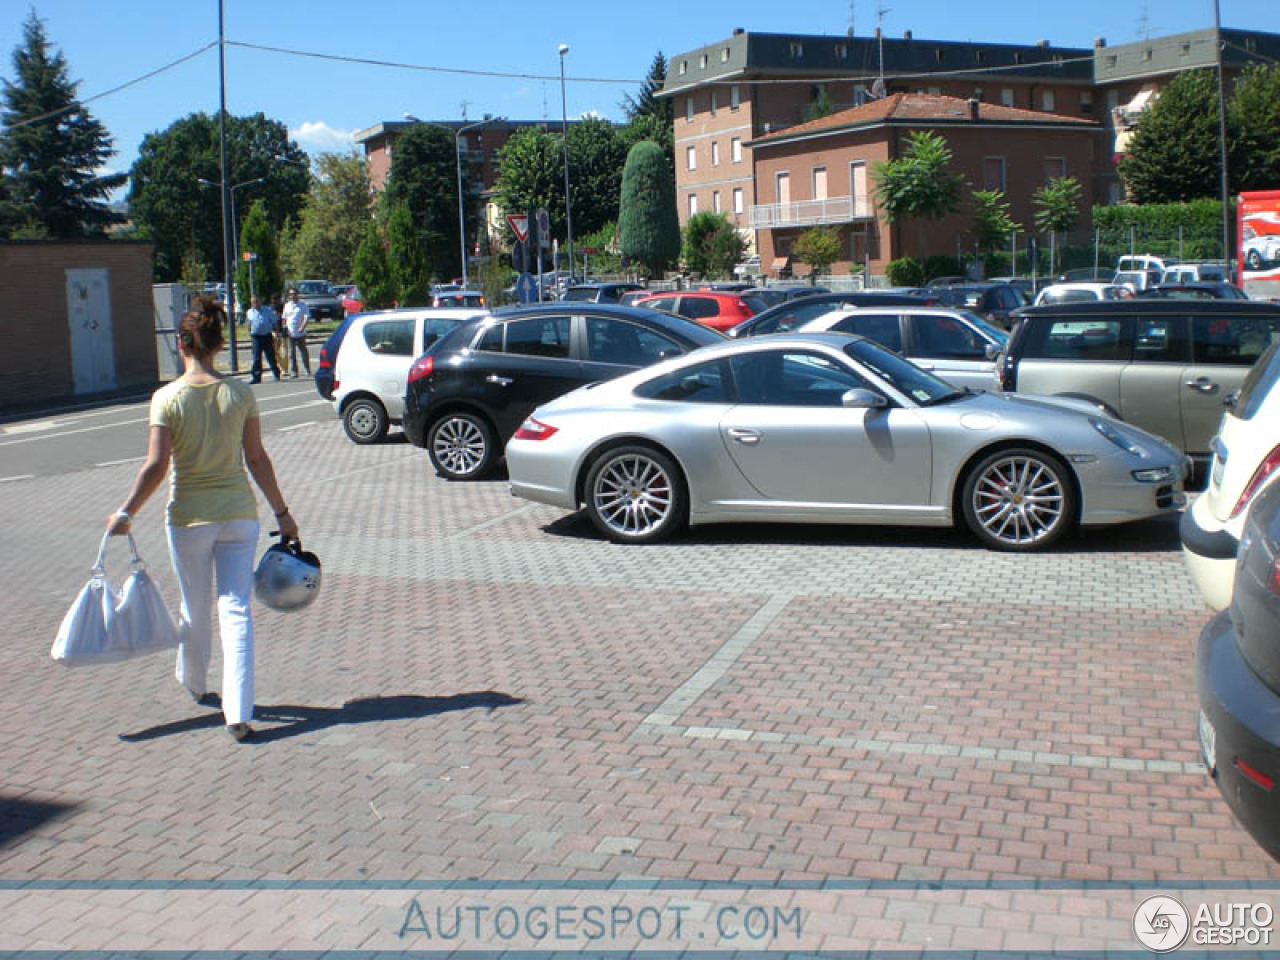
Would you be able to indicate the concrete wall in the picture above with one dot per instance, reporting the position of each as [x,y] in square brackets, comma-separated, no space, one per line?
[36,363]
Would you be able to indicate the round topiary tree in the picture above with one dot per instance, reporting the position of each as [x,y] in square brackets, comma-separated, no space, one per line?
[648,228]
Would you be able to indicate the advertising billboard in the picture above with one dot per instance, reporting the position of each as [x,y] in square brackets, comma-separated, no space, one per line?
[1258,239]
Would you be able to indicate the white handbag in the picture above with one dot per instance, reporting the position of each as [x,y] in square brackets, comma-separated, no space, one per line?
[106,625]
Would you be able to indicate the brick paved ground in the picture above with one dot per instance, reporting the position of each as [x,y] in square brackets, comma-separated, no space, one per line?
[487,690]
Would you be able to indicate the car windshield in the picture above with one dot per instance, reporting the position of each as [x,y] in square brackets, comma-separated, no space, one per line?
[905,377]
[313,288]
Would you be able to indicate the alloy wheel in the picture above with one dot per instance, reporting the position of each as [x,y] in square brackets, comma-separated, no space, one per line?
[460,446]
[1019,500]
[633,495]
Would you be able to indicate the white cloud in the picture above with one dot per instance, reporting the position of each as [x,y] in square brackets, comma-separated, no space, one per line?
[592,113]
[316,135]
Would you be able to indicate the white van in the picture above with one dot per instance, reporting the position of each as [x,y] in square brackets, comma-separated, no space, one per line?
[372,369]
[1131,262]
[1194,273]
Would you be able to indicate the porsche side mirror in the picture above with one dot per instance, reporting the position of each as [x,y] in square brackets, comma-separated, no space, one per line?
[858,398]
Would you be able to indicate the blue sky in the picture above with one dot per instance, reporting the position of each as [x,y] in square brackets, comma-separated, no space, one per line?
[110,42]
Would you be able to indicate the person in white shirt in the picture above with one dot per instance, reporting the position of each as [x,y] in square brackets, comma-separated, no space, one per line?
[296,316]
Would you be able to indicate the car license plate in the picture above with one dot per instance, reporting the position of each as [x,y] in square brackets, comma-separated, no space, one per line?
[1208,744]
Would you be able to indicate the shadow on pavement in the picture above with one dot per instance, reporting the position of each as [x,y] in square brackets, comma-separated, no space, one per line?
[22,816]
[291,721]
[1153,535]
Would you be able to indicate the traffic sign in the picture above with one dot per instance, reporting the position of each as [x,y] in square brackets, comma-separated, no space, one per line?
[544,229]
[526,288]
[519,224]
[248,256]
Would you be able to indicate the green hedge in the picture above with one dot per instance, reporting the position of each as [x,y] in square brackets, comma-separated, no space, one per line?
[1192,230]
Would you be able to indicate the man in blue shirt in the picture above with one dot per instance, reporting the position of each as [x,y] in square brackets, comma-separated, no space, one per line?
[262,321]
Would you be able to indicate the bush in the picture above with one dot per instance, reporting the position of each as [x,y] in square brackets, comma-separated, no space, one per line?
[712,245]
[905,272]
[1160,228]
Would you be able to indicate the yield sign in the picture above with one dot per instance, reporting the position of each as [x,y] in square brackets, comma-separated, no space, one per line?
[519,223]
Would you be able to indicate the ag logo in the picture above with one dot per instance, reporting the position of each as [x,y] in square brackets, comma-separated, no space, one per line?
[1161,924]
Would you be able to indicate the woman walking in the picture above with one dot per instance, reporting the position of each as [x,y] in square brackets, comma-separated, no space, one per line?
[208,425]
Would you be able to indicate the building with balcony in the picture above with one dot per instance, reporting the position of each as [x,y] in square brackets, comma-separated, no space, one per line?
[819,173]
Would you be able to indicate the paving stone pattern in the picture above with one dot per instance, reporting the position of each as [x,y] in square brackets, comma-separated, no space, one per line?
[485,689]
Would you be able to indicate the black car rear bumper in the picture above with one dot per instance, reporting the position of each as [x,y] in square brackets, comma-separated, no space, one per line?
[1245,718]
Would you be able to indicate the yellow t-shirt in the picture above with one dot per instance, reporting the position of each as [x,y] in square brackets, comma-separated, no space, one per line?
[206,422]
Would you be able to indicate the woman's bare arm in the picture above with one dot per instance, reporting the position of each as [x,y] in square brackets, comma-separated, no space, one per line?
[264,475]
[150,476]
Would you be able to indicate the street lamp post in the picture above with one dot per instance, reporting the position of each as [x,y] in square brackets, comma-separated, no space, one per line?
[564,136]
[462,220]
[235,243]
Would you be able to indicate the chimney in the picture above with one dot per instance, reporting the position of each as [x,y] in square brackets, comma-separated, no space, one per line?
[877,33]
[738,31]
[1042,43]
[1100,42]
[973,108]
[906,34]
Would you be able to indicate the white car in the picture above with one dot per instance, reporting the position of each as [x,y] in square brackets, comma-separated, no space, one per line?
[1082,292]
[372,368]
[1246,458]
[958,346]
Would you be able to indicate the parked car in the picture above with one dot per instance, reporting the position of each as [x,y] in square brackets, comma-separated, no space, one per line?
[713,309]
[1025,286]
[1246,458]
[1143,262]
[1193,290]
[959,347]
[351,301]
[994,301]
[601,292]
[328,357]
[1162,365]
[1237,671]
[1087,275]
[1137,280]
[471,299]
[938,282]
[794,314]
[371,370]
[1082,293]
[340,290]
[1195,273]
[320,301]
[833,428]
[467,396]
[629,298]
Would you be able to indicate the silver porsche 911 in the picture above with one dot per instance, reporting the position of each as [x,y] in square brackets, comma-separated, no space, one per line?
[834,428]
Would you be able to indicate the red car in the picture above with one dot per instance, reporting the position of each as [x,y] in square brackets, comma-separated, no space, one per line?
[711,308]
[351,301]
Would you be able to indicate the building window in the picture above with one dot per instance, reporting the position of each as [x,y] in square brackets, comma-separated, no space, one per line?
[684,66]
[819,184]
[842,51]
[797,49]
[858,187]
[724,55]
[1111,60]
[993,173]
[736,150]
[980,56]
[1055,168]
[715,153]
[693,204]
[1048,101]
[688,109]
[714,101]
[941,55]
[1006,97]
[782,182]
[737,199]
[691,158]
[715,200]
[1017,57]
[702,62]
[733,97]
[1086,102]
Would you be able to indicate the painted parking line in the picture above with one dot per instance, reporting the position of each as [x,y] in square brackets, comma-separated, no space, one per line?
[114,463]
[23,476]
[295,426]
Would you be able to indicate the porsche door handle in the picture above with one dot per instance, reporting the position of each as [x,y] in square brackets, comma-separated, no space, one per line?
[744,436]
[1203,385]
[500,381]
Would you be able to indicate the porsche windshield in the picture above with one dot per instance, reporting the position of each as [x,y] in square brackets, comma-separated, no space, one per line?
[905,377]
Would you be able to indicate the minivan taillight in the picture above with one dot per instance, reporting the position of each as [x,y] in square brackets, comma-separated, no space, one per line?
[422,367]
[1265,469]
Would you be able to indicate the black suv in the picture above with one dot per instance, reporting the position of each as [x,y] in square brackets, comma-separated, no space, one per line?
[1164,365]
[469,393]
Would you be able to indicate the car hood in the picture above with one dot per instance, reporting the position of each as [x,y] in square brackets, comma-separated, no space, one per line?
[1017,406]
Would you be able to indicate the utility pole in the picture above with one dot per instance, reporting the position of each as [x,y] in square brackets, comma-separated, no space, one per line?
[228,255]
[1222,140]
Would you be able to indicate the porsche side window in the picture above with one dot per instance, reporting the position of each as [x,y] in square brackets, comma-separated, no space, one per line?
[704,383]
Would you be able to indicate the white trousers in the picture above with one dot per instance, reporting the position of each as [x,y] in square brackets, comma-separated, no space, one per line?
[200,553]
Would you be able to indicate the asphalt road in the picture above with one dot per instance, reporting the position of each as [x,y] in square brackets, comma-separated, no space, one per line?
[53,442]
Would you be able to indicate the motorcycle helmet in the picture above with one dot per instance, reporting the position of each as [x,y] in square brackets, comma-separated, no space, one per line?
[287,577]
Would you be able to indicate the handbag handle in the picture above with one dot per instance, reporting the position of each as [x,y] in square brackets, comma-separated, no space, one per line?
[99,566]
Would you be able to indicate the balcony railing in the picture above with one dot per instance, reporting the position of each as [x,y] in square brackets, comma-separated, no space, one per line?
[808,213]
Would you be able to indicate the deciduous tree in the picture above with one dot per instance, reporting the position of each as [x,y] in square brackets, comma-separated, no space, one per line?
[1057,206]
[176,211]
[919,185]
[1253,123]
[1173,152]
[991,221]
[423,178]
[333,219]
[51,149]
[712,245]
[648,227]
[819,247]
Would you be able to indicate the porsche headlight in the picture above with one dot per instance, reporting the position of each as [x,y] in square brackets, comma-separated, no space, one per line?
[1120,437]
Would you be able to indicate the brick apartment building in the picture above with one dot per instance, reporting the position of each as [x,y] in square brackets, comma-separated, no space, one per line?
[752,87]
